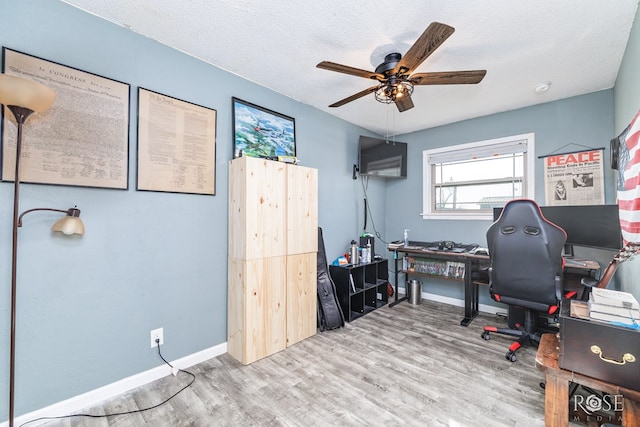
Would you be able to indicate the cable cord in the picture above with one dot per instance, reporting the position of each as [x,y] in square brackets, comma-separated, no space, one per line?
[115,414]
[368,209]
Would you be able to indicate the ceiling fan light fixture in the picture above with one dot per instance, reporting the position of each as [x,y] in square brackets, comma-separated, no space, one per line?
[384,93]
[387,92]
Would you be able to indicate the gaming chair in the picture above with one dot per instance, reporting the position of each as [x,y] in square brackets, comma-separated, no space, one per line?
[526,264]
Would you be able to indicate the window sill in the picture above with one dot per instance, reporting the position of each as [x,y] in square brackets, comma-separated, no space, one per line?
[459,216]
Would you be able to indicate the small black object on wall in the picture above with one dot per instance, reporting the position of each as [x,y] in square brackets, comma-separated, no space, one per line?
[615,153]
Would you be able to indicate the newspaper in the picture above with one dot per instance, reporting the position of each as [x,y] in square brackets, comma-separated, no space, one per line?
[574,178]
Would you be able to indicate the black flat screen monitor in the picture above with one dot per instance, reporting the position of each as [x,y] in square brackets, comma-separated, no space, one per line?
[379,157]
[595,226]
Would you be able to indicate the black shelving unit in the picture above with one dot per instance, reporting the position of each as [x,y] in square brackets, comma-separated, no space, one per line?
[361,288]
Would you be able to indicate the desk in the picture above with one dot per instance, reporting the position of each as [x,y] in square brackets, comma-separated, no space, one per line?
[472,262]
[556,399]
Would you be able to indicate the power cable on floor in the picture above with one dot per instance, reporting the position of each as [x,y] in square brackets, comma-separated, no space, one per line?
[115,414]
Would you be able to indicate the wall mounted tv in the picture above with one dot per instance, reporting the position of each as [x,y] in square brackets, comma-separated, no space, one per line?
[382,158]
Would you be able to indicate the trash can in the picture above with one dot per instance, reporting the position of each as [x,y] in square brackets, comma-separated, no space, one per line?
[415,292]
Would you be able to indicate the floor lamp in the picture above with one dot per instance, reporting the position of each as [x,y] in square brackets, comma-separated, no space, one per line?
[24,97]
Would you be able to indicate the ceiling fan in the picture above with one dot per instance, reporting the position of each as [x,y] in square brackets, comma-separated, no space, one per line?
[395,81]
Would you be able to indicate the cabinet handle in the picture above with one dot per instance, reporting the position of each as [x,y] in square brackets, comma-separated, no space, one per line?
[627,357]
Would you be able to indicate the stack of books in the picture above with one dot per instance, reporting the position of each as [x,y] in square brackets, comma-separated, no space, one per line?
[395,245]
[614,306]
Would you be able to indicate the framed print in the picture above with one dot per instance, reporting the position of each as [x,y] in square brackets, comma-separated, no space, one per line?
[82,140]
[575,178]
[258,132]
[176,145]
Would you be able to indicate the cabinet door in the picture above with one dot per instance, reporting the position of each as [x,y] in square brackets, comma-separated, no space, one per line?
[257,308]
[302,210]
[257,208]
[235,308]
[302,297]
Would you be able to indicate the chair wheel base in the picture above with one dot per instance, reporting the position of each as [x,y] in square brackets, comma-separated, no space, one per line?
[511,356]
[485,336]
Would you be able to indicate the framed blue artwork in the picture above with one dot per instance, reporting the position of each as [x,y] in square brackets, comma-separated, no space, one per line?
[258,132]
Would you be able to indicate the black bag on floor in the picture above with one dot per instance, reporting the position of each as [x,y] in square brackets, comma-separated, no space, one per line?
[330,314]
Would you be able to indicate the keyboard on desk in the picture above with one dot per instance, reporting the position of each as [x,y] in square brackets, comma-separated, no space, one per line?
[435,249]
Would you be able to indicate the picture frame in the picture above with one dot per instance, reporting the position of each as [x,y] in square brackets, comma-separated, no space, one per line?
[176,145]
[259,132]
[82,140]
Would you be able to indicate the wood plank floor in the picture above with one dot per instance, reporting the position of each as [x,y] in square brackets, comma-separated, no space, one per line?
[406,365]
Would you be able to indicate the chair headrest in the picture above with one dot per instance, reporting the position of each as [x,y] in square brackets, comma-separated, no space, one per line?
[525,214]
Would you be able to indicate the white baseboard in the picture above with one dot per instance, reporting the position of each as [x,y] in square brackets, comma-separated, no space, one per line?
[98,395]
[484,308]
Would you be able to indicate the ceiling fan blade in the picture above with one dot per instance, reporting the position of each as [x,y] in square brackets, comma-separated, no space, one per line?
[448,77]
[435,34]
[354,97]
[404,103]
[332,66]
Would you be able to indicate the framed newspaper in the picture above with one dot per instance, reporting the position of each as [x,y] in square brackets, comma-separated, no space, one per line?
[82,140]
[176,145]
[575,178]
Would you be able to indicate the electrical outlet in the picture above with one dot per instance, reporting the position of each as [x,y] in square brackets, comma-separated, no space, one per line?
[157,334]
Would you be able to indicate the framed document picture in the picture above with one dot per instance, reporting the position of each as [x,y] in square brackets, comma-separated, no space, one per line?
[82,140]
[176,145]
[258,132]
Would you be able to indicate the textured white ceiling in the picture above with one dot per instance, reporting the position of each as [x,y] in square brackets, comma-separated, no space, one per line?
[577,45]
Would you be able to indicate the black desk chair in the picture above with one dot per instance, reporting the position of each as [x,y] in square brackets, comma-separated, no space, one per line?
[526,264]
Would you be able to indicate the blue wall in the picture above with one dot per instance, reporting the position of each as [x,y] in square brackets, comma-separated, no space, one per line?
[580,121]
[627,89]
[149,260]
[589,120]
[627,105]
[585,120]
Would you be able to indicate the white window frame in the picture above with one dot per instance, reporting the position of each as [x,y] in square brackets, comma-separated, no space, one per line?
[482,147]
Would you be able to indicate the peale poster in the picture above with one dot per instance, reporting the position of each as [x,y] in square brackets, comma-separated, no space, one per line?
[574,178]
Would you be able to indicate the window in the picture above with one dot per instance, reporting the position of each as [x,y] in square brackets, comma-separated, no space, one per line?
[467,181]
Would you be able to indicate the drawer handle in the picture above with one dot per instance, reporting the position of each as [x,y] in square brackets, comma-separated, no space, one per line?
[627,357]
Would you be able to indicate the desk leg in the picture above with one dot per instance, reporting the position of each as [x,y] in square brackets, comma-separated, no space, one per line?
[470,296]
[398,301]
[395,274]
[556,401]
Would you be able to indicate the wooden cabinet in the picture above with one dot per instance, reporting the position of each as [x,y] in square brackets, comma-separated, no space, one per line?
[256,308]
[361,288]
[302,296]
[273,243]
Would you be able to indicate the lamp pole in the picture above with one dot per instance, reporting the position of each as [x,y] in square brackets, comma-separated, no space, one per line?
[21,115]
[71,224]
[22,97]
